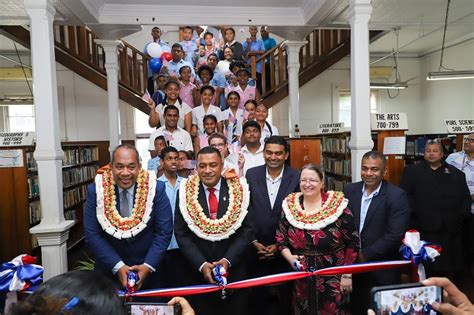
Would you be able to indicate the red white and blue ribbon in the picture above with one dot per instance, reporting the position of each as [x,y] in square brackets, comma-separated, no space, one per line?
[418,251]
[20,274]
[271,279]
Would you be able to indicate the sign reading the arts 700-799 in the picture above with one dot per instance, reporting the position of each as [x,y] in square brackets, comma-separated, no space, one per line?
[389,121]
[460,125]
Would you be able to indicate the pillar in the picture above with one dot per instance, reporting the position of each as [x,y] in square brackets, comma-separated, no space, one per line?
[111,66]
[293,52]
[361,141]
[53,231]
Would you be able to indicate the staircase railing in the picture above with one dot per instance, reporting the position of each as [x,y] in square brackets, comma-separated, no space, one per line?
[80,42]
[321,43]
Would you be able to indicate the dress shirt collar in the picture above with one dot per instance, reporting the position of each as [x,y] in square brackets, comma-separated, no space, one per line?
[373,194]
[279,177]
[246,150]
[217,187]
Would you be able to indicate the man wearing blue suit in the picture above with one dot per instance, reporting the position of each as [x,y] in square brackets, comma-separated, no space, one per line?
[381,213]
[127,220]
[269,185]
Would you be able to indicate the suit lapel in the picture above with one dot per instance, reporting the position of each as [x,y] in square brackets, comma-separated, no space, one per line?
[203,200]
[374,204]
[262,187]
[355,206]
[283,189]
[223,199]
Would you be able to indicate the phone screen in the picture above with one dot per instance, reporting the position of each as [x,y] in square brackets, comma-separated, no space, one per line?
[151,309]
[411,300]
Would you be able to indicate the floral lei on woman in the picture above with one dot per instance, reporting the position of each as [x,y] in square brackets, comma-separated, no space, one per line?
[200,223]
[329,212]
[107,214]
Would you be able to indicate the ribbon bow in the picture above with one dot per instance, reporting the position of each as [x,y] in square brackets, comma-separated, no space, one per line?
[220,276]
[20,274]
[418,251]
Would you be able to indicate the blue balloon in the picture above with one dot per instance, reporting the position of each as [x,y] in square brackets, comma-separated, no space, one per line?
[155,64]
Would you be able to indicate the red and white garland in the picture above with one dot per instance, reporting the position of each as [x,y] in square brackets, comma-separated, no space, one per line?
[107,214]
[199,223]
[315,219]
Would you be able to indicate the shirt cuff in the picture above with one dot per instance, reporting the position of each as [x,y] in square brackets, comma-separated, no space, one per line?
[150,267]
[200,268]
[117,266]
[230,265]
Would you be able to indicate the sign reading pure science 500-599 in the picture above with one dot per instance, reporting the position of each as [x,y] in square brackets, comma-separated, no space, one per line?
[460,125]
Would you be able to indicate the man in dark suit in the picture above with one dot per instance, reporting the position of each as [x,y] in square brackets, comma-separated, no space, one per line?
[204,250]
[381,214]
[269,185]
[140,246]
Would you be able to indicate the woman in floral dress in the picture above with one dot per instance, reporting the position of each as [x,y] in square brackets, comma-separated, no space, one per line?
[317,231]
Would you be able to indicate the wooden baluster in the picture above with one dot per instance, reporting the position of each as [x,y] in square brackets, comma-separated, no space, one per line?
[264,75]
[272,70]
[95,57]
[145,73]
[315,45]
[135,71]
[81,41]
[280,65]
[62,36]
[308,51]
[71,39]
[253,64]
[88,45]
[301,58]
[124,65]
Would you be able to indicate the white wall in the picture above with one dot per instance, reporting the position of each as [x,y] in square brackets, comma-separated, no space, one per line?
[82,107]
[427,103]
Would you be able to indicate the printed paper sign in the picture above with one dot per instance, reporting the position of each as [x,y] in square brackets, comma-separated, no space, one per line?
[389,121]
[460,125]
[331,128]
[16,139]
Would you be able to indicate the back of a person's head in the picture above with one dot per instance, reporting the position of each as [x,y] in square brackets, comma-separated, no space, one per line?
[95,294]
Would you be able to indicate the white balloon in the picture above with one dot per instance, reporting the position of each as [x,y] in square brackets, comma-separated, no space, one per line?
[154,50]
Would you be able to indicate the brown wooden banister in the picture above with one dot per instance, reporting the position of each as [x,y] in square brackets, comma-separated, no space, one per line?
[324,48]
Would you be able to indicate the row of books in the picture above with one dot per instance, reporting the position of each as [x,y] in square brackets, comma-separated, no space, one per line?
[35,212]
[70,214]
[337,166]
[335,145]
[31,162]
[76,156]
[33,187]
[74,196]
[332,183]
[417,146]
[75,176]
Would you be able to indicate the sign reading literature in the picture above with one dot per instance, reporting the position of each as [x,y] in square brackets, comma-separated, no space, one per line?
[389,121]
[460,125]
[14,139]
[331,128]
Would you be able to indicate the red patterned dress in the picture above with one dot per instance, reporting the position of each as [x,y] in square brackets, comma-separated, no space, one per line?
[334,242]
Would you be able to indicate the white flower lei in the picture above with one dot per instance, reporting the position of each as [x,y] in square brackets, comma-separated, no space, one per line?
[201,225]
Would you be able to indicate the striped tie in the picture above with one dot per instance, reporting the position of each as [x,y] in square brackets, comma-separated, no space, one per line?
[234,131]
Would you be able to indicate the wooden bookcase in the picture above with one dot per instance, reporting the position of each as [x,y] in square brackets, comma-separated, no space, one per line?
[336,160]
[416,143]
[20,207]
[304,150]
[395,163]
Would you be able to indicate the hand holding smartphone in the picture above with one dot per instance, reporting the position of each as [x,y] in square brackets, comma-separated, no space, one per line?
[137,308]
[413,298]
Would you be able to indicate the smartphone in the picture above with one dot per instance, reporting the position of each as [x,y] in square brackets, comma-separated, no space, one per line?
[139,308]
[412,298]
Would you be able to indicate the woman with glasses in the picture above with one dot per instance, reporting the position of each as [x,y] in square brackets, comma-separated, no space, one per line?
[317,231]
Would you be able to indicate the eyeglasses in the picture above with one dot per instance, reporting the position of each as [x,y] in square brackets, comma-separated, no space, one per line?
[218,145]
[468,140]
[310,181]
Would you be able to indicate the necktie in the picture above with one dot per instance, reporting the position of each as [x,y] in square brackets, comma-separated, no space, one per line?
[212,203]
[234,130]
[124,205]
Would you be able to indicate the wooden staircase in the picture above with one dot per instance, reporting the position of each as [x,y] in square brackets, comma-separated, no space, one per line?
[324,48]
[75,48]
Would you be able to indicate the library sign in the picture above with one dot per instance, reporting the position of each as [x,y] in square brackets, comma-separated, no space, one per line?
[460,125]
[389,121]
[14,139]
[331,128]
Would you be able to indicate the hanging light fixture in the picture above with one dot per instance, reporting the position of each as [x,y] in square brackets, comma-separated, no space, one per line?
[448,74]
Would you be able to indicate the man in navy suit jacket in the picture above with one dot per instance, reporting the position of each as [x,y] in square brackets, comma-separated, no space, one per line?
[381,214]
[118,251]
[269,185]
[204,251]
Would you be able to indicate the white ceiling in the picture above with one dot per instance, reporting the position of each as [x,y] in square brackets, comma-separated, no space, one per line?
[419,23]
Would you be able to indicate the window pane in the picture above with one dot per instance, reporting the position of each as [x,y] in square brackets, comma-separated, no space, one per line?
[141,123]
[21,118]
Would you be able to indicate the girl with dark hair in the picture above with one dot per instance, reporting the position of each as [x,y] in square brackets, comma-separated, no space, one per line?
[171,98]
